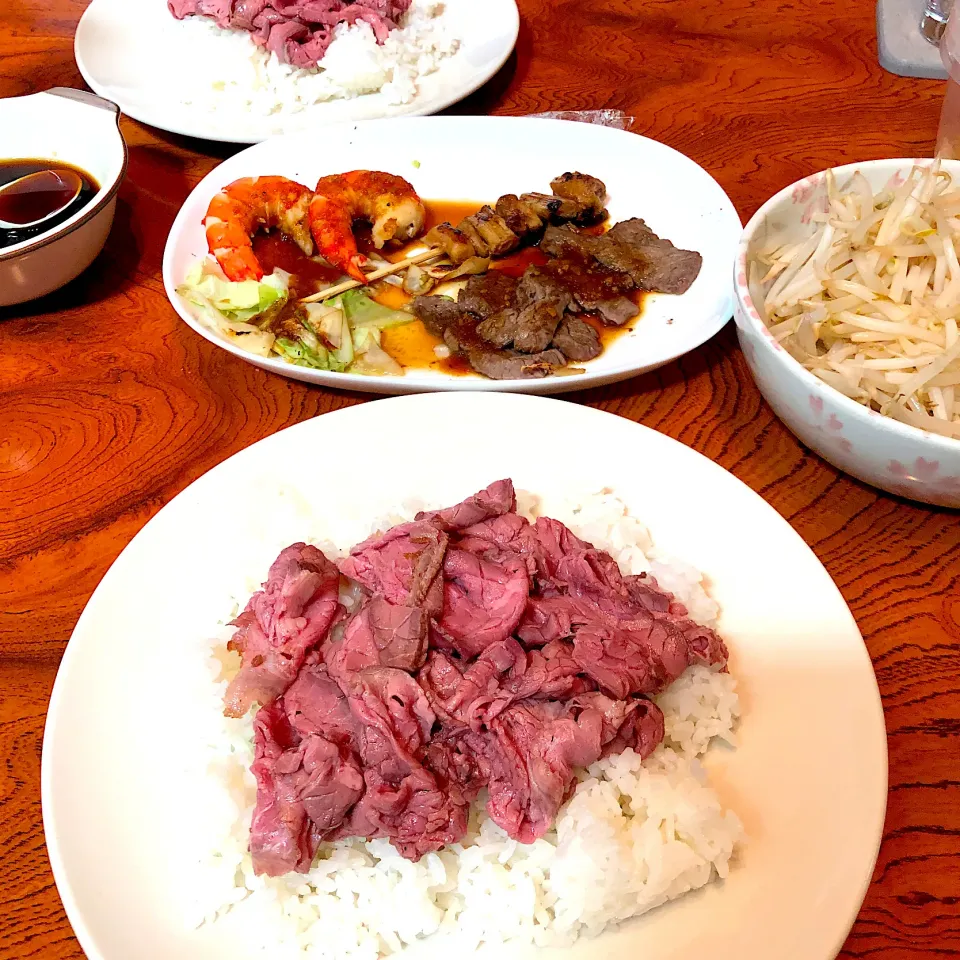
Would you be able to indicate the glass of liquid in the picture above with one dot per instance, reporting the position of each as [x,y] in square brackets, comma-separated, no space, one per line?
[934,19]
[948,137]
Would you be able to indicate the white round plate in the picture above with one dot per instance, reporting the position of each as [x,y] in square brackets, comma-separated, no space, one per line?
[122,752]
[479,159]
[135,53]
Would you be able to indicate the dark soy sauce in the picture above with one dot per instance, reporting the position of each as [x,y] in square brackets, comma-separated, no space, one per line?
[53,192]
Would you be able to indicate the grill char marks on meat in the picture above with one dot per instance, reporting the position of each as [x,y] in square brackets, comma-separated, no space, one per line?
[576,199]
[519,217]
[281,623]
[493,232]
[451,241]
[587,194]
[486,652]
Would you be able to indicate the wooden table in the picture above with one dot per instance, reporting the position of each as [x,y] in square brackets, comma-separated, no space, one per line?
[111,405]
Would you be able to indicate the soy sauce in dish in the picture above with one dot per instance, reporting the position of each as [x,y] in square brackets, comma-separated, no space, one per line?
[40,197]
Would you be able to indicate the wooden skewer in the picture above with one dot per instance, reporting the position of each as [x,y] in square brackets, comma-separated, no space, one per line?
[420,257]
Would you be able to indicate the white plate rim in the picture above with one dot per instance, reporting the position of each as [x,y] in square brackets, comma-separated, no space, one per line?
[71,653]
[722,305]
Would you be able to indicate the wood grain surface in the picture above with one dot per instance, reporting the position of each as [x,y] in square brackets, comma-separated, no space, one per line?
[110,405]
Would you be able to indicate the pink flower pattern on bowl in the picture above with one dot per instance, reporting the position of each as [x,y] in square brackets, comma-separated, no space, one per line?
[831,428]
[922,471]
[803,191]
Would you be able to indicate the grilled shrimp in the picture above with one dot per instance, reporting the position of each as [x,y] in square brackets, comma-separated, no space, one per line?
[388,202]
[239,210]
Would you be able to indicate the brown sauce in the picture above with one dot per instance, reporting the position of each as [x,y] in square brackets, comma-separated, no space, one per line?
[274,250]
[53,191]
[411,345]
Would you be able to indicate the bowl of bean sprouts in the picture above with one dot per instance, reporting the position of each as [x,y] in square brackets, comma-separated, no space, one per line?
[848,314]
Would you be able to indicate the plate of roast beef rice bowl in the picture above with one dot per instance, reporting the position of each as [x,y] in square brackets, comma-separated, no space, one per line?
[391,707]
[246,70]
[455,253]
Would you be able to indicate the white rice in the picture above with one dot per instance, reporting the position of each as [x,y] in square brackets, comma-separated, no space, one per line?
[632,836]
[236,75]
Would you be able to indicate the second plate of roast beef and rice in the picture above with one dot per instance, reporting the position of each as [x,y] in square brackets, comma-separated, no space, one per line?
[245,70]
[480,709]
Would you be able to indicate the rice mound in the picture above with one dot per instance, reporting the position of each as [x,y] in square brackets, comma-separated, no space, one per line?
[240,76]
[633,835]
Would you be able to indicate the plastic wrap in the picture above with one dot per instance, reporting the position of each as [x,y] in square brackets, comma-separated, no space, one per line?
[605,118]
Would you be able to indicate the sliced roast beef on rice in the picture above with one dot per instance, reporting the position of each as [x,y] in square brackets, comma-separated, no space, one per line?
[297,31]
[281,624]
[485,652]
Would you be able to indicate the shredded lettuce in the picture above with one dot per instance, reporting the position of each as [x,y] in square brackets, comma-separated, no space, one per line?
[376,362]
[364,337]
[245,335]
[340,334]
[363,312]
[298,352]
[238,300]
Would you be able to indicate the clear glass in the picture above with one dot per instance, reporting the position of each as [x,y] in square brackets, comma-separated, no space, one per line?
[934,19]
[948,136]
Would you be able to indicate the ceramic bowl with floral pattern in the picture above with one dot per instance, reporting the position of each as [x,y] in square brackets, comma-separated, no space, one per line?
[878,450]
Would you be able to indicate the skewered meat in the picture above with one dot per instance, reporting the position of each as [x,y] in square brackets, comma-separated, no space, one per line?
[494,232]
[518,216]
[588,193]
[469,230]
[451,241]
[511,329]
[542,204]
[499,238]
